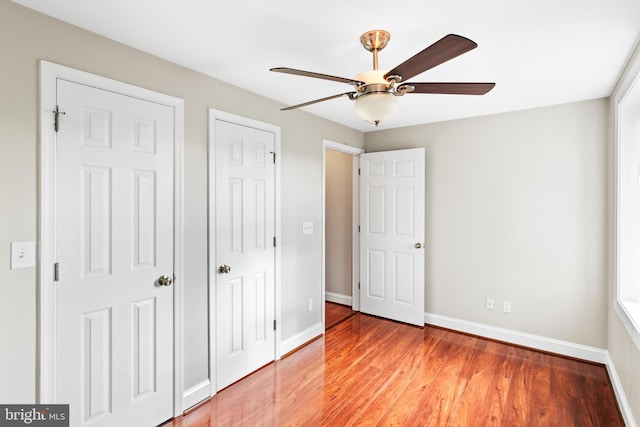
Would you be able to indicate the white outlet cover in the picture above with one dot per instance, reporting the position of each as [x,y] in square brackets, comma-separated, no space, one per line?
[307,227]
[490,303]
[23,255]
[506,307]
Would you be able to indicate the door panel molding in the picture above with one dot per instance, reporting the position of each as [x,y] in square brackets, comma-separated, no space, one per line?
[216,116]
[50,73]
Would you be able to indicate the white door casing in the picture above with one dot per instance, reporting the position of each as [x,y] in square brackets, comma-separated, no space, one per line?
[392,207]
[111,230]
[243,264]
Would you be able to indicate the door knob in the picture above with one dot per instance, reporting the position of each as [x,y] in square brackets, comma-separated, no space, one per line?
[223,269]
[165,281]
[417,245]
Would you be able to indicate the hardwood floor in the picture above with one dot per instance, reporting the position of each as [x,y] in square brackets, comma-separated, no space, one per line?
[336,313]
[374,372]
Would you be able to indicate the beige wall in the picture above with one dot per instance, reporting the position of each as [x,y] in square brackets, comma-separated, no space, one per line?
[25,38]
[516,210]
[338,222]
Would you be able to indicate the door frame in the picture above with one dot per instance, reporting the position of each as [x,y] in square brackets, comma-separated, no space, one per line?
[214,116]
[49,74]
[355,256]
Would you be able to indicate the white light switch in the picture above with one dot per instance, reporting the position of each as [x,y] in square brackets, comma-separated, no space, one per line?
[307,227]
[23,255]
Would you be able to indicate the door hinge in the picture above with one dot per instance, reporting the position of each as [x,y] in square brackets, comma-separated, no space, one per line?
[274,241]
[358,285]
[358,171]
[358,229]
[56,272]
[274,324]
[56,118]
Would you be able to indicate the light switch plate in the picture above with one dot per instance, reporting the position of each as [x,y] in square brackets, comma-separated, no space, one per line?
[23,255]
[307,227]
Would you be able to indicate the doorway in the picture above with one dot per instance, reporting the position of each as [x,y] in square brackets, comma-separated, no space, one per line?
[387,238]
[340,227]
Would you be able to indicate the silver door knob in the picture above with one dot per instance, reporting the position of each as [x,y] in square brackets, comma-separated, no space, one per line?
[223,269]
[417,245]
[165,281]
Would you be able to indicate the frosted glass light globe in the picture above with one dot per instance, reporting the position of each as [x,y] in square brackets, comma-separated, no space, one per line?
[376,107]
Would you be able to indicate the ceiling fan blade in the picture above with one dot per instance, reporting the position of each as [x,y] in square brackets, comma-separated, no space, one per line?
[316,75]
[448,88]
[441,51]
[315,101]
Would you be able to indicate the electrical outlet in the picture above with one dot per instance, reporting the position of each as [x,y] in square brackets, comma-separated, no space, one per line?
[310,304]
[307,227]
[506,306]
[490,303]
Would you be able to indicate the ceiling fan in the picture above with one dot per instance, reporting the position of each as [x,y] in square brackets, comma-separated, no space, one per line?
[376,90]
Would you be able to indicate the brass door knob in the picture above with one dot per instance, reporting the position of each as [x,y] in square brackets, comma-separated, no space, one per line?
[165,281]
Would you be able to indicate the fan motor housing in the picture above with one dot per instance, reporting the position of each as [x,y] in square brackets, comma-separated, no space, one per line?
[374,82]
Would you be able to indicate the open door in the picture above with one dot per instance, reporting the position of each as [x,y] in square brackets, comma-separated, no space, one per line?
[392,204]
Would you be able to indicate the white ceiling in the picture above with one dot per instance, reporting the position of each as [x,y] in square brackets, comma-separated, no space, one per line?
[539,52]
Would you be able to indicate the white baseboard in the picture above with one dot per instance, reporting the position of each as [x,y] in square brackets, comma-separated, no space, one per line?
[621,396]
[338,298]
[196,394]
[551,345]
[301,338]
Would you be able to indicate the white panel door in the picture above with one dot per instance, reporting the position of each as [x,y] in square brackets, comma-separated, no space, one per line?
[114,239]
[392,234]
[245,253]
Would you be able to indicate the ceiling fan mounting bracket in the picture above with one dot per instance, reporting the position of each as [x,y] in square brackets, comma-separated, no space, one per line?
[375,40]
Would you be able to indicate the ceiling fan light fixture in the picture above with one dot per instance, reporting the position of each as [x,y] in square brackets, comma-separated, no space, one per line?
[376,107]
[375,91]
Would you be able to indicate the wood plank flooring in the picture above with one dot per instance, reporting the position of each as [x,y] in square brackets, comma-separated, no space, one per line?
[336,313]
[368,371]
